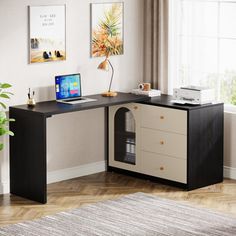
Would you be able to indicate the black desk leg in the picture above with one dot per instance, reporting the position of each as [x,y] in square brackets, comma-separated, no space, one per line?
[106,141]
[28,168]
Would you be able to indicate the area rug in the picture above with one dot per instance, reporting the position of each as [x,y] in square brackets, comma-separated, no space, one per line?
[137,214]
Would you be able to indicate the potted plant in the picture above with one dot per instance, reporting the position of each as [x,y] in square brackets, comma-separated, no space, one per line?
[4,121]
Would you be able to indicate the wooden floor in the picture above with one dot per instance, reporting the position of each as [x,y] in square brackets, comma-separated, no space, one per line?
[98,187]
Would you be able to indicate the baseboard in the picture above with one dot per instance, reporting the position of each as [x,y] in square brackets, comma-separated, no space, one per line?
[4,188]
[92,168]
[74,172]
[229,172]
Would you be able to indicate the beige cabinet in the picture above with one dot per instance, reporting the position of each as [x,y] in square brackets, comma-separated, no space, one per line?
[164,142]
[159,136]
[180,145]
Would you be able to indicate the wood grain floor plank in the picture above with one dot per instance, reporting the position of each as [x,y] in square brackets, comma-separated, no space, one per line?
[78,192]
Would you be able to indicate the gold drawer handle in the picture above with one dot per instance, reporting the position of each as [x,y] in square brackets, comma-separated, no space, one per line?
[135,107]
[162,142]
[161,168]
[162,117]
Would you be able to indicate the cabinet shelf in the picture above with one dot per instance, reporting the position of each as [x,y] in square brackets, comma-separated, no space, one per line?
[125,134]
[128,158]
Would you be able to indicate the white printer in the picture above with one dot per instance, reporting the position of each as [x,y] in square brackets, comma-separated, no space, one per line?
[193,95]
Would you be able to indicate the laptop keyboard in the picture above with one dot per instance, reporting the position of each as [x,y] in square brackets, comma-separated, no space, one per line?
[75,99]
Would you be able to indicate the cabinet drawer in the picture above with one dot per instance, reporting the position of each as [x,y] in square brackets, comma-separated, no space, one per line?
[164,167]
[166,119]
[160,142]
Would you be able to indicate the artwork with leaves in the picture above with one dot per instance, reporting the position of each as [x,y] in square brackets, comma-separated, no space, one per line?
[107,29]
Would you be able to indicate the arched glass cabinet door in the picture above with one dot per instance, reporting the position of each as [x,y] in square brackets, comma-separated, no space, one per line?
[124,136]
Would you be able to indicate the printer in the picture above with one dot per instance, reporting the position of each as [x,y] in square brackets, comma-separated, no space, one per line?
[193,95]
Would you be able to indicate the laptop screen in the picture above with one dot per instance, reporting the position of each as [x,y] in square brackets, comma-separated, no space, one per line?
[68,86]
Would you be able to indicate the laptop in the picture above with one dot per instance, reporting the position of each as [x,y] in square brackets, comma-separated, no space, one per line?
[68,89]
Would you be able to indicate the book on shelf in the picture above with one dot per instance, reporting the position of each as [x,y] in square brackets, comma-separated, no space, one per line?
[150,93]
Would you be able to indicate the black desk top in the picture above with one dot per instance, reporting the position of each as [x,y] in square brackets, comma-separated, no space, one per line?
[50,108]
[165,101]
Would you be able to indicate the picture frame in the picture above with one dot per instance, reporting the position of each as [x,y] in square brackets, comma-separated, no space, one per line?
[107,29]
[47,33]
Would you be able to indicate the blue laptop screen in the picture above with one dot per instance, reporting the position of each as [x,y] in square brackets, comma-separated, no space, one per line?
[68,86]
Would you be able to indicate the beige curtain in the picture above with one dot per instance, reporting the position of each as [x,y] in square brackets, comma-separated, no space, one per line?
[156,43]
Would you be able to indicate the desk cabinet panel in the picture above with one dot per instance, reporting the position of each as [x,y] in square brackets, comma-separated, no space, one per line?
[166,119]
[164,167]
[166,143]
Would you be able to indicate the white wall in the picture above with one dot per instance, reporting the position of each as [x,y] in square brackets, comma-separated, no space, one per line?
[14,69]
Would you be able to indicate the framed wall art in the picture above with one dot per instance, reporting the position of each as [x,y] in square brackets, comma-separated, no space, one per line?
[47,33]
[107,21]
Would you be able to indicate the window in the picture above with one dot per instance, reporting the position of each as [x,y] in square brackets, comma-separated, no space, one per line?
[203,45]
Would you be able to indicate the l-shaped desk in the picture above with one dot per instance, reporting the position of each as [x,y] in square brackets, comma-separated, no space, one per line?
[201,163]
[28,148]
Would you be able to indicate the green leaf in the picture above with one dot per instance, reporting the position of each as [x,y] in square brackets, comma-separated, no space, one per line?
[8,93]
[2,115]
[5,85]
[3,95]
[10,133]
[3,105]
[2,131]
[5,121]
[1,146]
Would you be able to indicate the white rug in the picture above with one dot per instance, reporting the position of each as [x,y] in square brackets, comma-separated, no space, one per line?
[136,214]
